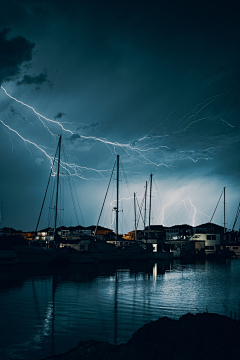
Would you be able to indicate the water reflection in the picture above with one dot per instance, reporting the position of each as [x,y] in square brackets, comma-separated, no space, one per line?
[15,276]
[48,310]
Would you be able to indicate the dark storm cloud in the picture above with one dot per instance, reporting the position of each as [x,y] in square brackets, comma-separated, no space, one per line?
[13,52]
[37,80]
[59,115]
[80,144]
[216,76]
[74,137]
[148,74]
[87,127]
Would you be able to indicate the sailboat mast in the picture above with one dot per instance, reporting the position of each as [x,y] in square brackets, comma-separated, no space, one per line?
[150,200]
[117,197]
[56,206]
[1,212]
[224,212]
[135,217]
[145,209]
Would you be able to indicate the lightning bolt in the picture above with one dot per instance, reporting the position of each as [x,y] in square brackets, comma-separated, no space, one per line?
[40,117]
[202,106]
[113,219]
[26,141]
[192,216]
[224,121]
[187,203]
[192,212]
[162,214]
[127,147]
[140,149]
[71,169]
[202,158]
[195,121]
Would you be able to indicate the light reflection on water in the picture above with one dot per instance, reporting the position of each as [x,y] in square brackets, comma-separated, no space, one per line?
[47,311]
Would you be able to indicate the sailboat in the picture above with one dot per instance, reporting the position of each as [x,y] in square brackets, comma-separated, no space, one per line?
[66,253]
[29,254]
[33,253]
[161,251]
[132,251]
[137,250]
[36,254]
[102,250]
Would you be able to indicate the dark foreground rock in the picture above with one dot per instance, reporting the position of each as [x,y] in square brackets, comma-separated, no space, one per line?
[192,337]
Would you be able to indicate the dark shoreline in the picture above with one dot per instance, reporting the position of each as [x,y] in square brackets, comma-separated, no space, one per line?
[204,336]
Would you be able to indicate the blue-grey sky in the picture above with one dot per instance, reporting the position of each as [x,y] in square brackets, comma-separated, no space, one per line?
[156,82]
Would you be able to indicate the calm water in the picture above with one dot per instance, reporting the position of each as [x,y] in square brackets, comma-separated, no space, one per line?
[46,311]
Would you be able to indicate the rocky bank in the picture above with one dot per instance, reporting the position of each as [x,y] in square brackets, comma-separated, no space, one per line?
[193,337]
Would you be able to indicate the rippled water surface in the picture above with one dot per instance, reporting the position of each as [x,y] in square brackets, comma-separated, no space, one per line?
[46,311]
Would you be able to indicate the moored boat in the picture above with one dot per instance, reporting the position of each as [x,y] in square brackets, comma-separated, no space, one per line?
[8,257]
[136,252]
[28,254]
[79,257]
[234,248]
[103,251]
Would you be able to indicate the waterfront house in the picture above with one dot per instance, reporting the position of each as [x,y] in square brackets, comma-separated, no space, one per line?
[155,235]
[29,235]
[211,242]
[9,231]
[100,230]
[179,232]
[43,235]
[208,228]
[79,230]
[131,235]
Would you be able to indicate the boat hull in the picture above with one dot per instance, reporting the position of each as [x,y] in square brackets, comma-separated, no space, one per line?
[35,255]
[8,257]
[80,258]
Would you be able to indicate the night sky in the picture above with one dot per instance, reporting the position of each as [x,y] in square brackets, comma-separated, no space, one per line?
[156,82]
